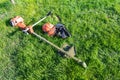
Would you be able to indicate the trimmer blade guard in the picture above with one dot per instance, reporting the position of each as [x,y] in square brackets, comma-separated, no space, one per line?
[70,49]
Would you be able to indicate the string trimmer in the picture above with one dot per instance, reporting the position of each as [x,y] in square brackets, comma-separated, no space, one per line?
[19,22]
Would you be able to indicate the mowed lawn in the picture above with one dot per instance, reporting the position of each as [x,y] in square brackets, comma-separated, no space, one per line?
[95,29]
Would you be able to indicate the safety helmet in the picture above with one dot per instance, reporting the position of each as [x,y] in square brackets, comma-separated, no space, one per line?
[49,28]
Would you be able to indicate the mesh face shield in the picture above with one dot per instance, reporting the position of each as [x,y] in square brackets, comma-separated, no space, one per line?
[62,31]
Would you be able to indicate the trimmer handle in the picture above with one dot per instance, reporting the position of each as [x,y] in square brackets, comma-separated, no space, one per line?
[49,13]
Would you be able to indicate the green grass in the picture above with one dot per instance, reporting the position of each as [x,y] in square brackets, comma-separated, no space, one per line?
[95,29]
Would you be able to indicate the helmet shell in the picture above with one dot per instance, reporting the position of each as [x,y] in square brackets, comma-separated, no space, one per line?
[49,28]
